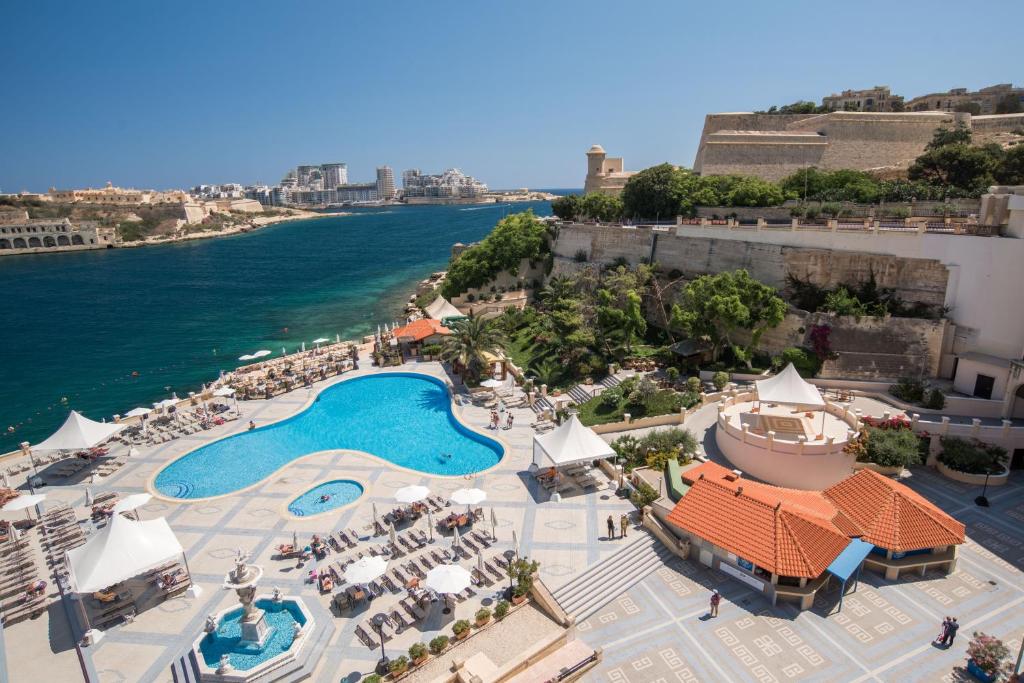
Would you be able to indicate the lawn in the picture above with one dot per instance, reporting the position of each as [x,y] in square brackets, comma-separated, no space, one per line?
[527,355]
[664,402]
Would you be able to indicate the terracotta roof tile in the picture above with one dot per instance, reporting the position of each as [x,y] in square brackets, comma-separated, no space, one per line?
[418,330]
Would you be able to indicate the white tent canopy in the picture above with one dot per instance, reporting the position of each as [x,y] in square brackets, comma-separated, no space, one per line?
[441,309]
[121,550]
[788,387]
[79,432]
[569,443]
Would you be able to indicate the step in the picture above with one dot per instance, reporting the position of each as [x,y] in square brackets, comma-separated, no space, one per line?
[621,587]
[622,556]
[611,585]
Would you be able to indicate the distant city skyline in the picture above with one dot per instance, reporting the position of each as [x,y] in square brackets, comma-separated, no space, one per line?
[201,94]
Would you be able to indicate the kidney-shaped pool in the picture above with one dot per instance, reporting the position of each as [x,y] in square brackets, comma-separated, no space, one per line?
[400,417]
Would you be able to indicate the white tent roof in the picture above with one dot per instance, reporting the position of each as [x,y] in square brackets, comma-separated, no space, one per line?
[788,387]
[121,550]
[441,309]
[571,442]
[79,432]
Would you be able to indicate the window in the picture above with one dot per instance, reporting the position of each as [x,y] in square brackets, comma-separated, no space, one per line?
[983,386]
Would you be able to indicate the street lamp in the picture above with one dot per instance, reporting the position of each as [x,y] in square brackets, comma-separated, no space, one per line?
[509,557]
[378,624]
[982,500]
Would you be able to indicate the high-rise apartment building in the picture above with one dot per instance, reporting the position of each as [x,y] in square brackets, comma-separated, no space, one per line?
[453,183]
[385,183]
[334,175]
[409,176]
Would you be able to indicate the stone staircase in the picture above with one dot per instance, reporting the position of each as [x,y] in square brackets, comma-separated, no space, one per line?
[610,578]
[610,381]
[578,394]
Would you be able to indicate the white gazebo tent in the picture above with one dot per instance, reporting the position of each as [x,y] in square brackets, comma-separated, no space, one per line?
[569,443]
[79,432]
[790,388]
[122,550]
[442,309]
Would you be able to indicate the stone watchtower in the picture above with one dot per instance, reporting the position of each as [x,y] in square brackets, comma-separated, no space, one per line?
[595,168]
[604,173]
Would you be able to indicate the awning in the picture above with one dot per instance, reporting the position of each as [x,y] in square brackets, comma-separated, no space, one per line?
[79,432]
[569,443]
[120,551]
[847,562]
[441,309]
[788,387]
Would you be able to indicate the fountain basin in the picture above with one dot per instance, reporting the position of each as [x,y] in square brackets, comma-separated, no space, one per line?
[249,661]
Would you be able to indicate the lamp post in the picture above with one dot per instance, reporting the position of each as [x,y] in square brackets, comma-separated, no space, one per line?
[982,500]
[510,557]
[378,623]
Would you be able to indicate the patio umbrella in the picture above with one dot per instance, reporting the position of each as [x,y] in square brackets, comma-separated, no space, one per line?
[303,346]
[392,535]
[468,497]
[295,539]
[376,521]
[337,339]
[138,412]
[448,578]
[132,502]
[430,525]
[88,498]
[491,383]
[366,569]
[480,564]
[411,494]
[3,478]
[515,542]
[494,524]
[15,533]
[132,452]
[456,541]
[24,503]
[224,391]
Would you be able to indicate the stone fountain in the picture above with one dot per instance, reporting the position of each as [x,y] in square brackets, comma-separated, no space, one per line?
[243,579]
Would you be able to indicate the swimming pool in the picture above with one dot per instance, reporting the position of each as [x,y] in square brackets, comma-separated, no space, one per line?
[339,492]
[401,417]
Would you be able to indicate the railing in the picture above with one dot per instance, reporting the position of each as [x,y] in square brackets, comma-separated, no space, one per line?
[908,227]
[578,666]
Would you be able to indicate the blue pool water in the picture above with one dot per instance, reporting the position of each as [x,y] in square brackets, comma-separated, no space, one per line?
[341,492]
[226,639]
[400,417]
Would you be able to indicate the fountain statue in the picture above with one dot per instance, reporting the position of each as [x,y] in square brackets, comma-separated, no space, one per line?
[296,630]
[277,595]
[224,667]
[243,579]
[211,624]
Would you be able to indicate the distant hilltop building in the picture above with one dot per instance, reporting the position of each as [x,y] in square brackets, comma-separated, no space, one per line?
[20,234]
[878,98]
[604,173]
[117,196]
[995,99]
[452,184]
[772,146]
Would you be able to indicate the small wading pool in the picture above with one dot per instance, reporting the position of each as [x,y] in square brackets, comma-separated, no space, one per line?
[338,491]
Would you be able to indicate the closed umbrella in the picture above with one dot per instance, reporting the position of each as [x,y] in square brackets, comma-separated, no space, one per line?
[303,346]
[88,497]
[430,525]
[480,564]
[411,494]
[392,535]
[3,478]
[448,578]
[295,540]
[375,520]
[494,524]
[15,533]
[337,339]
[132,452]
[366,569]
[515,542]
[456,541]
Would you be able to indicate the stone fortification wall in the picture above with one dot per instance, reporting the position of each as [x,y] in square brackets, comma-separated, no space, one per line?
[997,123]
[864,140]
[867,348]
[914,279]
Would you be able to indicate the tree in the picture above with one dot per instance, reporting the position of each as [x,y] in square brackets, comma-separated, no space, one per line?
[655,192]
[1009,104]
[961,135]
[567,208]
[751,191]
[516,237]
[602,207]
[471,338]
[968,169]
[716,307]
[1011,168]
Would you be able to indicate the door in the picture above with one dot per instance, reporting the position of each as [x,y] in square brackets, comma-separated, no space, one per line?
[983,386]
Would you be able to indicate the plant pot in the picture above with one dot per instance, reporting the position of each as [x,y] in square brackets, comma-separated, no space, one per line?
[518,599]
[978,673]
[420,660]
[399,672]
[482,623]
[463,635]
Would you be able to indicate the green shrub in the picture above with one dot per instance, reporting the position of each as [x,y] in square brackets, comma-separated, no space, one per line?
[643,495]
[501,609]
[720,379]
[612,397]
[908,389]
[373,678]
[483,614]
[807,364]
[935,400]
[892,447]
[460,627]
[972,457]
[693,384]
[417,650]
[672,374]
[438,644]
[398,665]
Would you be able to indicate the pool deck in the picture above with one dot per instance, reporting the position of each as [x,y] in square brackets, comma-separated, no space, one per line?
[563,537]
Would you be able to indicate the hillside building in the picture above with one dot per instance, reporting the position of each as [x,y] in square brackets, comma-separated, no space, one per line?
[878,98]
[990,100]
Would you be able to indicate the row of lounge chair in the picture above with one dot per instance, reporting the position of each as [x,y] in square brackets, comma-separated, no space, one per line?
[23,588]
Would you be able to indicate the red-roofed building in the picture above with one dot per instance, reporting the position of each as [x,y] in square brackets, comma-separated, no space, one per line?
[422,331]
[782,540]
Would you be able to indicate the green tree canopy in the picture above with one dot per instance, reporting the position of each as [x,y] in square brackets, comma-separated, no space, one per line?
[601,207]
[654,192]
[958,165]
[517,237]
[567,208]
[715,307]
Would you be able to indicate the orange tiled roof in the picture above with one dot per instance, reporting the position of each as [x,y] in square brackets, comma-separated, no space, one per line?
[893,516]
[418,330]
[783,538]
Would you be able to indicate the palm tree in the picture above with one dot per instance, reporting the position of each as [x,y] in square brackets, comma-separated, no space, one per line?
[470,339]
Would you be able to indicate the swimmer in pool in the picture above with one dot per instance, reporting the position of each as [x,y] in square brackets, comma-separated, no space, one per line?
[324,498]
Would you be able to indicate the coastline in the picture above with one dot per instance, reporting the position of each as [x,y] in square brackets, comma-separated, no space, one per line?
[253,225]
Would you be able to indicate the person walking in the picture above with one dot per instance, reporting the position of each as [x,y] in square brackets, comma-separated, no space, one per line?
[715,600]
[950,636]
[611,528]
[508,423]
[941,638]
[623,524]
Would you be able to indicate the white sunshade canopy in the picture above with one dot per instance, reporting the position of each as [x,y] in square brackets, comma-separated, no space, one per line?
[138,412]
[131,502]
[788,387]
[79,432]
[411,494]
[569,443]
[491,383]
[468,496]
[441,308]
[121,550]
[366,569]
[22,502]
[224,391]
[448,578]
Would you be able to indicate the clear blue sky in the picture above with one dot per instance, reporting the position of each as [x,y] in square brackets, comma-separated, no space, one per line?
[162,94]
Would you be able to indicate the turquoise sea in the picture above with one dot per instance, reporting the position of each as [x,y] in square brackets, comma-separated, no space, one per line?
[79,326]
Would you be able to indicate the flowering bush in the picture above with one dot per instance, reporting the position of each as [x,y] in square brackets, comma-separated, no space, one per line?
[894,422]
[989,653]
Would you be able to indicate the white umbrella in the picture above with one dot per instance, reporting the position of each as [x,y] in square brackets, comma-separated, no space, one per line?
[295,540]
[337,339]
[166,403]
[448,578]
[261,353]
[132,502]
[132,452]
[491,383]
[515,542]
[468,496]
[247,356]
[494,524]
[430,525]
[283,352]
[375,520]
[23,502]
[321,340]
[411,494]
[138,412]
[224,391]
[3,478]
[88,497]
[303,346]
[392,535]
[366,569]
[15,533]
[456,539]
[480,564]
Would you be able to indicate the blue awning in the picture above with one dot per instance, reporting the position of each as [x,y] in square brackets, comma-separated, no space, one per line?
[846,562]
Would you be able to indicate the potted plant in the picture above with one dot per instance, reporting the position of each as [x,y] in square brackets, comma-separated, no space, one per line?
[372,678]
[418,653]
[501,609]
[521,571]
[483,615]
[438,644]
[461,629]
[986,657]
[398,666]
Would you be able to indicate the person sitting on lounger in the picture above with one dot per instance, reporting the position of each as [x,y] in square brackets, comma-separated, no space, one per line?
[105,596]
[550,474]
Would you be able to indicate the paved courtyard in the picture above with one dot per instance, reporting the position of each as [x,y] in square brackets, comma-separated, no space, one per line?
[660,629]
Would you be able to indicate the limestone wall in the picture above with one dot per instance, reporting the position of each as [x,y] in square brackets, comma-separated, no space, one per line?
[997,123]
